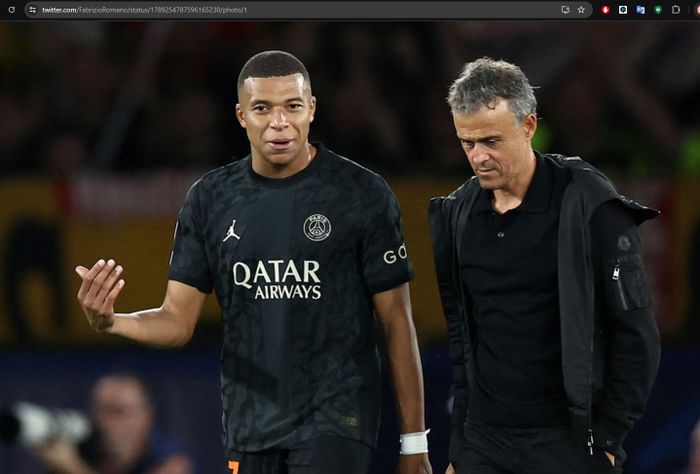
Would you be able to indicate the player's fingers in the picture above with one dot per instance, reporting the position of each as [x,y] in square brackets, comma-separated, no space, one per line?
[108,284]
[98,281]
[81,271]
[88,278]
[108,305]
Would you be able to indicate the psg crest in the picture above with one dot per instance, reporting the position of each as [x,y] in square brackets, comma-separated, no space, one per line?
[317,227]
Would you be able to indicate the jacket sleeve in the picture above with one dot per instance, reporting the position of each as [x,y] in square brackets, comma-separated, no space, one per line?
[626,324]
[443,252]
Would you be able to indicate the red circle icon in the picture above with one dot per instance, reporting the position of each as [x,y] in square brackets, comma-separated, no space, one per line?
[605,9]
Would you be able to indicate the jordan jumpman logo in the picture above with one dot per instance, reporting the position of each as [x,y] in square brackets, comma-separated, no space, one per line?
[231,232]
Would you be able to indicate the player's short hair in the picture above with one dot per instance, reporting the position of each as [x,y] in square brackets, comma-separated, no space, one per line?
[272,64]
[484,80]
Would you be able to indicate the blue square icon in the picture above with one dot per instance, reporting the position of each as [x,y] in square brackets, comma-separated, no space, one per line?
[622,9]
[641,10]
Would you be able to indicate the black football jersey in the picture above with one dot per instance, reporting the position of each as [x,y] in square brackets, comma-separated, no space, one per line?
[294,263]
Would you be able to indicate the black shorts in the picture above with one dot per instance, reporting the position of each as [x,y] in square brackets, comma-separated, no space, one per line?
[319,455]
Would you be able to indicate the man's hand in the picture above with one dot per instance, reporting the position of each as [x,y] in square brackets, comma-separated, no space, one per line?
[450,470]
[100,287]
[414,464]
[611,458]
[61,456]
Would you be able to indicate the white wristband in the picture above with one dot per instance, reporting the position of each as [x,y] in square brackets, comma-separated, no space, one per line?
[414,443]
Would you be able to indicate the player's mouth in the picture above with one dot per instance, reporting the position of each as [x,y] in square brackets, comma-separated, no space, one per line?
[280,144]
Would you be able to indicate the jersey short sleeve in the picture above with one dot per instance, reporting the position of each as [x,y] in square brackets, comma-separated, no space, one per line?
[188,261]
[385,263]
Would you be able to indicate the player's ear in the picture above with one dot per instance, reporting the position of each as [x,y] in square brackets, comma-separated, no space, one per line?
[312,108]
[239,115]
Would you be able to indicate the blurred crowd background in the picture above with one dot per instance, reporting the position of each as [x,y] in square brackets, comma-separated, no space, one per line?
[624,95]
[103,127]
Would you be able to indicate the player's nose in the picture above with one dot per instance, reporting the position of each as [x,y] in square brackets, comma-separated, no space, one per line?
[278,118]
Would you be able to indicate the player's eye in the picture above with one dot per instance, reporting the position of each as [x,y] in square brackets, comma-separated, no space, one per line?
[295,106]
[467,144]
[259,108]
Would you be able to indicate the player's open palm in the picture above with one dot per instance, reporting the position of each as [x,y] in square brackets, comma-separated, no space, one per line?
[100,287]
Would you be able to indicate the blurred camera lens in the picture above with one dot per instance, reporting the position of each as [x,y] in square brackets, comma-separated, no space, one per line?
[32,425]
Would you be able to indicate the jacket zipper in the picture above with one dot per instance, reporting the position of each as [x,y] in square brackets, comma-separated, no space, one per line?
[620,290]
[590,442]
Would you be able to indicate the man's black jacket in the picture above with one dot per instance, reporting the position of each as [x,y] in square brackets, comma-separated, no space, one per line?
[606,383]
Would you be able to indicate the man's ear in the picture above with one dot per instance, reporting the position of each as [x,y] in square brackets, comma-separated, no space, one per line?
[530,125]
[239,115]
[312,106]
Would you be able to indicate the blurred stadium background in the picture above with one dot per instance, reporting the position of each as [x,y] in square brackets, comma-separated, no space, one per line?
[103,127]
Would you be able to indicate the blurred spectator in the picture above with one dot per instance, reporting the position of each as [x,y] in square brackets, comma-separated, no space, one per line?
[124,440]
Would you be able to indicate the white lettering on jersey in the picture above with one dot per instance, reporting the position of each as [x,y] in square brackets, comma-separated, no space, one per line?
[291,271]
[241,277]
[311,272]
[260,272]
[272,283]
[391,256]
[273,292]
[276,264]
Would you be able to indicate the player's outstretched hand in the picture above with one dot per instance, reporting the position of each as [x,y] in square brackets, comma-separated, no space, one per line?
[100,287]
[414,464]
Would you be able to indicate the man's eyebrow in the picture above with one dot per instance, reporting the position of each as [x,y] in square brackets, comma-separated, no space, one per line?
[478,139]
[267,102]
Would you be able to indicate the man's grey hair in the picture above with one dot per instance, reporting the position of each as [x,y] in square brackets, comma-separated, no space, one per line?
[485,80]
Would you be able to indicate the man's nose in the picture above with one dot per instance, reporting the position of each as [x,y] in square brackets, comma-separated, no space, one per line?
[478,154]
[279,118]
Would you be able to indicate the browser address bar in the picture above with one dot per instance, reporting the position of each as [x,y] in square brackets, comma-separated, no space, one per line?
[331,10]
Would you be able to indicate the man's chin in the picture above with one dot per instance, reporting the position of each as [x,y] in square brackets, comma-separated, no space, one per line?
[488,184]
[282,158]
[281,161]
